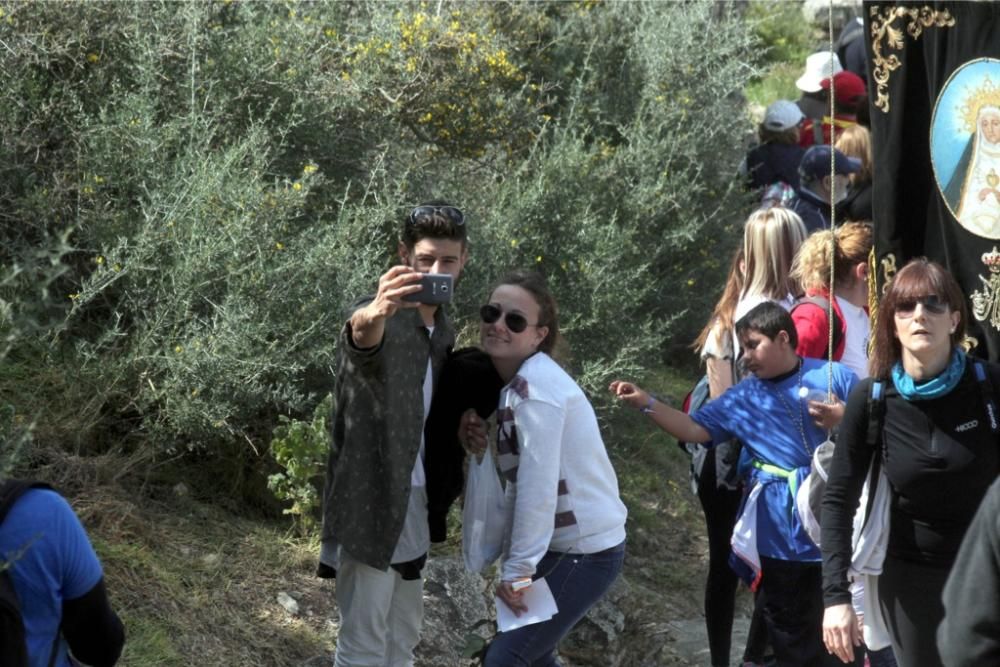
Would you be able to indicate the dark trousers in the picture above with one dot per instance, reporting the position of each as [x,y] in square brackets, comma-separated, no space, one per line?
[720,506]
[910,595]
[793,612]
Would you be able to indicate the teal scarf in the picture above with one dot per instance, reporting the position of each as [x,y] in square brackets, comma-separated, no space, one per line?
[935,387]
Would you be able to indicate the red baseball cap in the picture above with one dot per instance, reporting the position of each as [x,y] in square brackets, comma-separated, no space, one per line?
[847,87]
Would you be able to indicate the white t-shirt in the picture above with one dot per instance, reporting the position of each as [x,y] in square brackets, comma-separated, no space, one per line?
[858,328]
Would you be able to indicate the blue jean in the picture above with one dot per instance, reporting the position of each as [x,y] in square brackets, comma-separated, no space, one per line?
[577,581]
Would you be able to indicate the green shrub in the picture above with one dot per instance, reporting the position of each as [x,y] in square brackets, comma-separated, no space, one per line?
[233,172]
[785,34]
[301,449]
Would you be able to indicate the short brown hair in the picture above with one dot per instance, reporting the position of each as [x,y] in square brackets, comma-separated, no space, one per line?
[434,226]
[920,277]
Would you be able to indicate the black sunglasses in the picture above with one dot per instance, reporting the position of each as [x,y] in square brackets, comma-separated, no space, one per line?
[423,213]
[932,303]
[513,321]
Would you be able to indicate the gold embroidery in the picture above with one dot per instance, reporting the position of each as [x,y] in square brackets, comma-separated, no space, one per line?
[882,28]
[888,270]
[986,304]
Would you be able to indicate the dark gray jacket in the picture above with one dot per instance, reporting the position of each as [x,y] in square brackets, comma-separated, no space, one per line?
[969,635]
[376,427]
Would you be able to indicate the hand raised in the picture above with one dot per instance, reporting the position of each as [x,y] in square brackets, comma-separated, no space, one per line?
[629,393]
[393,285]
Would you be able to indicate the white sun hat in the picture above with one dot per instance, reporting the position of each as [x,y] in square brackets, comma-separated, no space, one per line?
[819,66]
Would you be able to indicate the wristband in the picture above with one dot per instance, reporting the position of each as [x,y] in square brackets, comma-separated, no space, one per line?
[648,408]
[520,584]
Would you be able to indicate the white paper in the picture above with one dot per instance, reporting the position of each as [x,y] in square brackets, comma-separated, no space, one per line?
[541,607]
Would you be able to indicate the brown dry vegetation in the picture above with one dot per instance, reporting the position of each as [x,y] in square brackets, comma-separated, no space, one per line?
[196,579]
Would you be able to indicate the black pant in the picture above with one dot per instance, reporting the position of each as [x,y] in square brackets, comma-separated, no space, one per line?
[910,597]
[721,506]
[793,611]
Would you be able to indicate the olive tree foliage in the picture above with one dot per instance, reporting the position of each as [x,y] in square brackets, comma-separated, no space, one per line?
[228,176]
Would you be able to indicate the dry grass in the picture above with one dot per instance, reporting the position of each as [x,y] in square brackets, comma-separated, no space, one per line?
[194,584]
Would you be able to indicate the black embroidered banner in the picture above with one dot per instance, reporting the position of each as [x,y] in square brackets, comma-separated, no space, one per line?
[934,90]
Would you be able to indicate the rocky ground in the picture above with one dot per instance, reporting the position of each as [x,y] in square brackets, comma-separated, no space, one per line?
[633,626]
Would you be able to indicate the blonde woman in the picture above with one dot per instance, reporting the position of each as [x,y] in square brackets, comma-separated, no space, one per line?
[811,269]
[771,237]
[855,141]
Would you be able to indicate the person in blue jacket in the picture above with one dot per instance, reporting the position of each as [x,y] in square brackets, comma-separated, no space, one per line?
[771,414]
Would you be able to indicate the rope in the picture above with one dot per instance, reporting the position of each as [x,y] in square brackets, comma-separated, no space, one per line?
[872,299]
[833,204]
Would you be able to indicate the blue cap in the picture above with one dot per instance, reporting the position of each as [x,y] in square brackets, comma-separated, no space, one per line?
[815,163]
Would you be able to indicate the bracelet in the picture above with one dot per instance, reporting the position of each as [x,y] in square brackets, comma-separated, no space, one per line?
[648,408]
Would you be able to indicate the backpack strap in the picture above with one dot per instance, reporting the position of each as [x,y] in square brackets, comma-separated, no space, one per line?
[876,412]
[989,399]
[12,489]
[818,132]
[876,415]
[824,304]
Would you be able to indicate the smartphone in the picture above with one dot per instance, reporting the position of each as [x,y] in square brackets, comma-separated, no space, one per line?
[434,288]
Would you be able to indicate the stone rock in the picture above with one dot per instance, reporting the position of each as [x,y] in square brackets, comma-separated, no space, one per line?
[597,639]
[290,604]
[454,601]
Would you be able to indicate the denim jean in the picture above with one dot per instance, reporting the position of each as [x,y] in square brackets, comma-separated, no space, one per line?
[577,582]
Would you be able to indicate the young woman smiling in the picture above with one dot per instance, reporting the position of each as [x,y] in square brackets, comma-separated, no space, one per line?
[566,522]
[939,452]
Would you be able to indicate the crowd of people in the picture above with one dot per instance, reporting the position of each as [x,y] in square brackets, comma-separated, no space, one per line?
[794,361]
[789,369]
[793,366]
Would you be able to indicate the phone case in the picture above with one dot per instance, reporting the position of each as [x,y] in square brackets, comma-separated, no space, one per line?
[435,288]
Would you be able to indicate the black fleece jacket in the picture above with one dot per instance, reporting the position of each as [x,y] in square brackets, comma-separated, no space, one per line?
[468,380]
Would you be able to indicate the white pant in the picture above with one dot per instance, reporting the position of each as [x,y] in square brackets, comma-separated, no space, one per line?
[380,616]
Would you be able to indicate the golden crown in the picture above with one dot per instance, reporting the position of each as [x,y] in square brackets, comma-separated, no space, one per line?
[987,94]
[992,260]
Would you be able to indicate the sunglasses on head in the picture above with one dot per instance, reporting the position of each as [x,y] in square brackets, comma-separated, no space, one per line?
[513,321]
[932,303]
[423,213]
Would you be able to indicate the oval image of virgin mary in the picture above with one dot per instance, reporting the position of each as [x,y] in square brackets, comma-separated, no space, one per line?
[965,146]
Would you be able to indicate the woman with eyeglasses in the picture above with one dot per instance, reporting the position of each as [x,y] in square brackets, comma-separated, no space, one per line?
[939,451]
[566,522]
